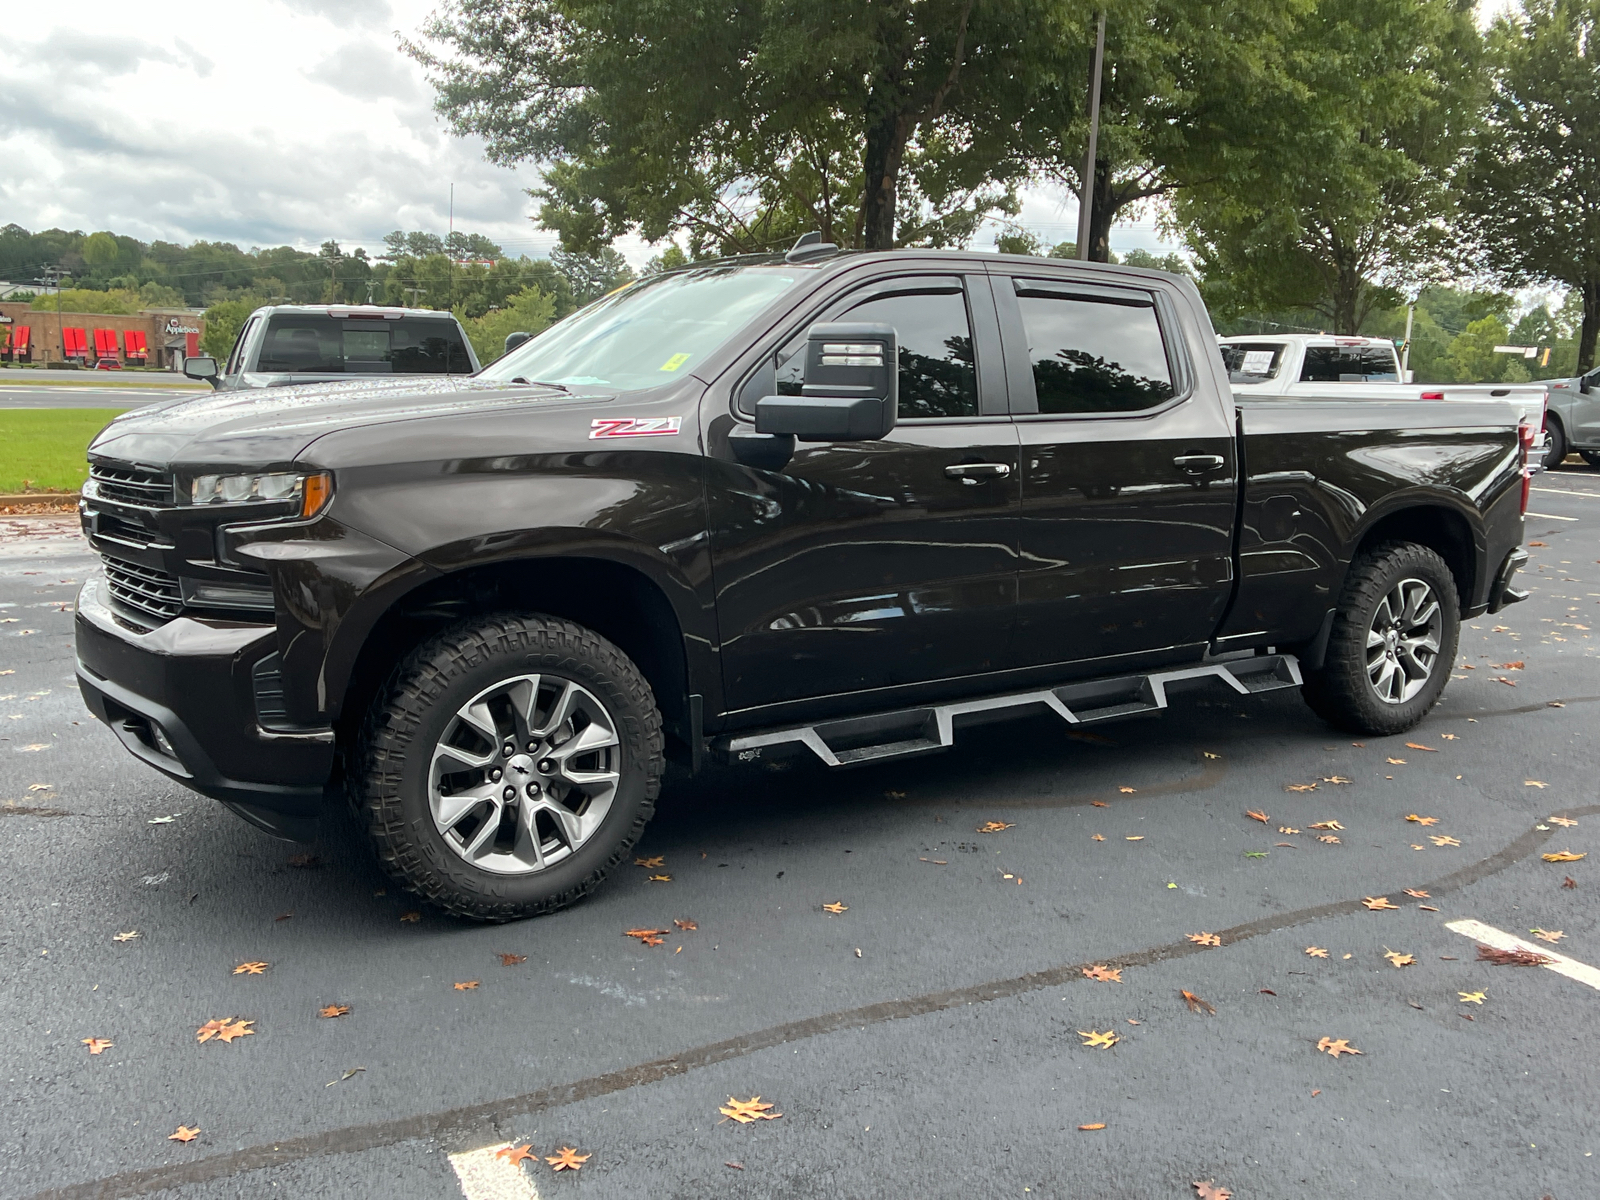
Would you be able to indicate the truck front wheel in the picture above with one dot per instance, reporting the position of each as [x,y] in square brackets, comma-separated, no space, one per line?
[508,764]
[1393,641]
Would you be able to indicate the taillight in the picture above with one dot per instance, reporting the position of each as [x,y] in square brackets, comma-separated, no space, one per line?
[1525,436]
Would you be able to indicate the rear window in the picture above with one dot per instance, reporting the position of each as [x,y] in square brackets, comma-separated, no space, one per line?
[309,344]
[1249,362]
[1349,364]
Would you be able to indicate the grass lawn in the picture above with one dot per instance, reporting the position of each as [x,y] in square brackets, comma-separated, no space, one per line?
[44,447]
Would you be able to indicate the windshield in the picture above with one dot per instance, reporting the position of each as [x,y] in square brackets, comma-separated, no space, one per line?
[1350,364]
[648,334]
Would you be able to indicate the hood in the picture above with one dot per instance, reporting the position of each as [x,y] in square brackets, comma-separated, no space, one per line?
[274,425]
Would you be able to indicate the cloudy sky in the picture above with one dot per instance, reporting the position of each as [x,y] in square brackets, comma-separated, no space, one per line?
[268,122]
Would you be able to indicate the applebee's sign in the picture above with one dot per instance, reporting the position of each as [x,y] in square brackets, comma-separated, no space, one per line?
[176,326]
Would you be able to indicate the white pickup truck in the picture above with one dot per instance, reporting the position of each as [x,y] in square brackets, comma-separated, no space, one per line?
[1323,366]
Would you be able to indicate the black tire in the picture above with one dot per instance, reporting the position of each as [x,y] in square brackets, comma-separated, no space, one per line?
[1556,453]
[1343,692]
[421,699]
[1592,457]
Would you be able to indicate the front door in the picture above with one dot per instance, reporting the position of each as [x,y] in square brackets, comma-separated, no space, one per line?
[1129,476]
[863,565]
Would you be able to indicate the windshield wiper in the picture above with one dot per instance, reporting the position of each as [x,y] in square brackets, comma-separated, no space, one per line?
[560,387]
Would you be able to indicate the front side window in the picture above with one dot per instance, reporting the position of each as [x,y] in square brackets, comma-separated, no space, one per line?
[310,344]
[1093,356]
[236,359]
[1349,364]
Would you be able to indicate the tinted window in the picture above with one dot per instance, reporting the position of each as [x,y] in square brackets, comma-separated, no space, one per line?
[1251,363]
[1089,356]
[1348,364]
[305,343]
[938,377]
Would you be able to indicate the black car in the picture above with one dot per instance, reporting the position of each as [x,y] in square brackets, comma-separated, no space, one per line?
[826,503]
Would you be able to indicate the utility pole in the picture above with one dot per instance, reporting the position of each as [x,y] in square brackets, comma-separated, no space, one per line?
[52,278]
[1086,193]
[449,253]
[1405,352]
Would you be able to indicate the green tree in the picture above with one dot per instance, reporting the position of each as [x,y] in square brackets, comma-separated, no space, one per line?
[592,275]
[529,311]
[118,302]
[1533,190]
[1472,357]
[1352,203]
[741,124]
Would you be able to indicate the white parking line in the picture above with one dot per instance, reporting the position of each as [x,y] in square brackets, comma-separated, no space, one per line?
[1559,963]
[1567,492]
[485,1177]
[1549,517]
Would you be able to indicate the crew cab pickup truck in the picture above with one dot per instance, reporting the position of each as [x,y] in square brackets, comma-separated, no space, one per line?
[1573,421]
[287,344]
[834,504]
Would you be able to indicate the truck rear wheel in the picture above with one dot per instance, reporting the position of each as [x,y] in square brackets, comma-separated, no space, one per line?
[508,765]
[1393,641]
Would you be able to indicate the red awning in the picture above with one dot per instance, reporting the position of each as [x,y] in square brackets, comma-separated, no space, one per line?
[74,342]
[105,343]
[133,343]
[20,336]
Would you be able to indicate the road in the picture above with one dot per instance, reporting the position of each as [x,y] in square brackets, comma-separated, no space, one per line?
[926,1041]
[35,389]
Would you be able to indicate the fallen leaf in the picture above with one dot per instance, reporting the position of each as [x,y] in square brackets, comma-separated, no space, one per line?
[1328,1046]
[1208,754]
[289,916]
[1331,839]
[1359,745]
[652,863]
[1099,804]
[1257,816]
[97,1045]
[1327,825]
[251,968]
[1569,882]
[1399,762]
[1420,746]
[1510,666]
[1427,908]
[567,1159]
[1422,820]
[1443,839]
[1268,992]
[734,1165]
[746,1111]
[333,1010]
[1258,853]
[1103,974]
[1564,856]
[1096,1125]
[1196,1004]
[1547,935]
[350,1074]
[1204,939]
[1097,837]
[127,936]
[1127,791]
[1316,952]
[1377,903]
[996,826]
[1210,1191]
[649,937]
[659,878]
[1287,829]
[237,1029]
[1449,737]
[185,1134]
[411,916]
[1473,997]
[1099,1041]
[510,960]
[1538,783]
[210,1030]
[517,1155]
[1335,779]
[467,986]
[1137,838]
[1512,958]
[1418,893]
[1564,822]
[686,924]
[1401,960]
[1299,787]
[894,795]
[836,907]
[1538,543]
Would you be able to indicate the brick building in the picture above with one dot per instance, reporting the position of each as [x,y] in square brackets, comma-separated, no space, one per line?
[157,337]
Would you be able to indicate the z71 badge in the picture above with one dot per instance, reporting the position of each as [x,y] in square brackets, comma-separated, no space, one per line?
[626,427]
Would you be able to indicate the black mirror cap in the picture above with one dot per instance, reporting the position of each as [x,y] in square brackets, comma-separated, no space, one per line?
[853,358]
[513,340]
[200,366]
[1586,382]
[825,418]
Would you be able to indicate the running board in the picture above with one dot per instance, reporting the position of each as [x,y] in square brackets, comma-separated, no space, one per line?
[850,741]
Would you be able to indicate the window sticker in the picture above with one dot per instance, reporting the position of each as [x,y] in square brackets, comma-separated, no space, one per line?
[676,361]
[1256,362]
[629,427]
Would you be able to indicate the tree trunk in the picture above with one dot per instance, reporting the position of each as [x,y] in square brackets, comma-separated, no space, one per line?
[1590,328]
[1102,214]
[886,146]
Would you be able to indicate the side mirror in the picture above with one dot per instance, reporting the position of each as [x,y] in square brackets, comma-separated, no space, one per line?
[513,340]
[851,387]
[201,366]
[1586,383]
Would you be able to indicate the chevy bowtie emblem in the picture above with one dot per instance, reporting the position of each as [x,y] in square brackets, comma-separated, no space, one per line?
[623,427]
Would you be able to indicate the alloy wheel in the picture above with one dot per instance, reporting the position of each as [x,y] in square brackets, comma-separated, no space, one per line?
[524,774]
[1403,641]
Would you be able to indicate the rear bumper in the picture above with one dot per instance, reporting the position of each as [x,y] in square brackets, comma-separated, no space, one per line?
[181,698]
[1504,591]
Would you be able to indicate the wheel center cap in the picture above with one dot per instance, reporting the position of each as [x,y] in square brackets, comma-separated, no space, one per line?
[520,765]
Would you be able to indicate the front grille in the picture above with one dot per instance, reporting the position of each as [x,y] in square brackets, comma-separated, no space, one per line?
[128,484]
[145,590]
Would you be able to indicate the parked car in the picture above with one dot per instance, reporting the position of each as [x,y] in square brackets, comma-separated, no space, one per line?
[1302,364]
[281,345]
[1574,419]
[824,503]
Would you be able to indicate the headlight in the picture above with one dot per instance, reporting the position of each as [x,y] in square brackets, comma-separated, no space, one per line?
[309,493]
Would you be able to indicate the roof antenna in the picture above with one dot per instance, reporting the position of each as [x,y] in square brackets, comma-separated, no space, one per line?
[808,246]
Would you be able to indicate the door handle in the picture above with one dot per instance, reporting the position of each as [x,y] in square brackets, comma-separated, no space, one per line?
[972,474]
[1198,462]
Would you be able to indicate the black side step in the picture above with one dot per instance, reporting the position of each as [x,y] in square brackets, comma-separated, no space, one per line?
[906,732]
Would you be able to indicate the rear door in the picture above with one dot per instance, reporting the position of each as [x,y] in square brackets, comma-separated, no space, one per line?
[1129,475]
[865,565]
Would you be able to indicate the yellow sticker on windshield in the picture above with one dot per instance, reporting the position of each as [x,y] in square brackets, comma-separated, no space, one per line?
[676,361]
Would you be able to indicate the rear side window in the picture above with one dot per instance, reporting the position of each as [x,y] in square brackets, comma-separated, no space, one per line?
[1249,363]
[1349,364]
[304,343]
[1091,356]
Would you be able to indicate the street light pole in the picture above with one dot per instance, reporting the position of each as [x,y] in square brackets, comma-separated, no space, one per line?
[1086,192]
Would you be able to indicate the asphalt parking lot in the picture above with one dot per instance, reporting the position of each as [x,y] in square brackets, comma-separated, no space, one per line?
[928,1039]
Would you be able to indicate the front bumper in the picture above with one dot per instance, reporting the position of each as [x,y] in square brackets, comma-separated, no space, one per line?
[181,697]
